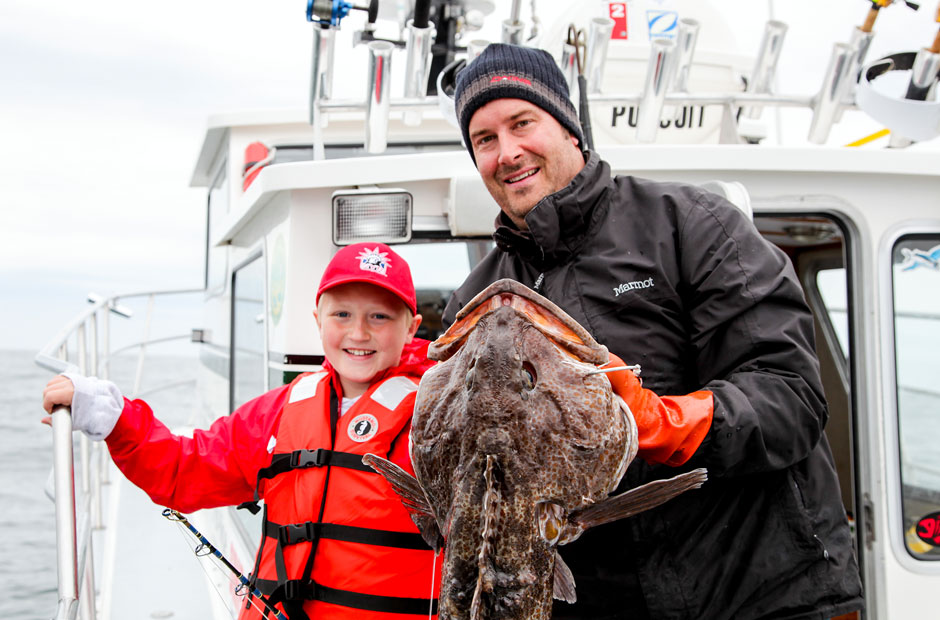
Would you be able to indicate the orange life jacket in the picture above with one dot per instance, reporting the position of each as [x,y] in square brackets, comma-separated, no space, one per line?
[368,559]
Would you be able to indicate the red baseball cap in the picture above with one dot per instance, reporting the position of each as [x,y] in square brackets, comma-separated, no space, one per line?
[374,263]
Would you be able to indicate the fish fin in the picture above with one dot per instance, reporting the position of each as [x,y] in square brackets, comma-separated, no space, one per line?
[637,500]
[412,497]
[563,581]
[552,521]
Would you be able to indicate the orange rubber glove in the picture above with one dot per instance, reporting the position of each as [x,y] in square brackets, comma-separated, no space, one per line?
[670,428]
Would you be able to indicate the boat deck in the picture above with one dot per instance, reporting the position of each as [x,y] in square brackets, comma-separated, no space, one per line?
[149,567]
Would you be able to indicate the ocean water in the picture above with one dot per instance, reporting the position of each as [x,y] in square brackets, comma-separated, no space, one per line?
[27,521]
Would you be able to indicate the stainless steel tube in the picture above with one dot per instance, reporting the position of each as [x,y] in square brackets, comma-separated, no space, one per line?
[569,65]
[321,69]
[766,64]
[512,27]
[475,48]
[377,101]
[512,32]
[598,37]
[835,85]
[923,74]
[860,41]
[64,478]
[658,76]
[515,11]
[688,37]
[417,67]
[105,374]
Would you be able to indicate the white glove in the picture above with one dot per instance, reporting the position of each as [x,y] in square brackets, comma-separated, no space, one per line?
[96,405]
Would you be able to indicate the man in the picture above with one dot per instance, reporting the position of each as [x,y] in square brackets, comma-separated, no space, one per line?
[679,281]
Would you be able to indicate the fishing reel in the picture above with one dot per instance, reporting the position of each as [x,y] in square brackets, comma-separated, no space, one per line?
[329,13]
[880,4]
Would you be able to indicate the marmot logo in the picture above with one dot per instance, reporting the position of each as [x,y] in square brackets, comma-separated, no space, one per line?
[630,286]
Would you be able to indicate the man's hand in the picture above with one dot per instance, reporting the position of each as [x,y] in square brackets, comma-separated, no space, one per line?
[59,391]
[670,428]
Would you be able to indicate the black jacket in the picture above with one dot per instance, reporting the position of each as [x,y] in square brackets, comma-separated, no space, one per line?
[680,281]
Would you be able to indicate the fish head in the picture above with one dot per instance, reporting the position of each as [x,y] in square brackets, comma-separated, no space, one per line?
[510,434]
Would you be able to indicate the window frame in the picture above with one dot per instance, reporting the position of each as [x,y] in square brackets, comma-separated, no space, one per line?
[889,398]
[254,255]
[220,181]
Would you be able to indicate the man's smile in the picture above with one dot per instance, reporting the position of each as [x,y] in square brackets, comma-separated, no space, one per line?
[521,176]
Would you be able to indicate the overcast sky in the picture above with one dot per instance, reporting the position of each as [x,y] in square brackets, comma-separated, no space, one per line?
[103,107]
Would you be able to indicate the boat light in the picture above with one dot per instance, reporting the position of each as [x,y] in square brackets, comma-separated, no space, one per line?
[371,215]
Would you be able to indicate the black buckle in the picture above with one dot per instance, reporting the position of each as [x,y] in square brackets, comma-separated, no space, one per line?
[296,533]
[298,589]
[309,458]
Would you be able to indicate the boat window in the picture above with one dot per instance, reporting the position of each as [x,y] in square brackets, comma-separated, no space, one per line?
[831,286]
[218,206]
[438,268]
[248,357]
[916,297]
[817,246]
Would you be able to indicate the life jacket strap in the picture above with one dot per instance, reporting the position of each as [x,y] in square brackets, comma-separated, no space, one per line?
[304,459]
[297,589]
[294,533]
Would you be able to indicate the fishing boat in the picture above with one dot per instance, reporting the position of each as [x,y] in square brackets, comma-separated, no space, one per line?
[666,97]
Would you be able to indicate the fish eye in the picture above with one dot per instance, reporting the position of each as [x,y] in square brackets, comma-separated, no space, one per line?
[528,375]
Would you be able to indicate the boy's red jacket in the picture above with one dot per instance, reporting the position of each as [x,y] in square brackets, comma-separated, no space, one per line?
[219,466]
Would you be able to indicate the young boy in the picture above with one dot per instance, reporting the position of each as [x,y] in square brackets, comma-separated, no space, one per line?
[337,542]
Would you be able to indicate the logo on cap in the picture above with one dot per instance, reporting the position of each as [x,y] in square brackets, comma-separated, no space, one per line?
[374,261]
[510,78]
[363,427]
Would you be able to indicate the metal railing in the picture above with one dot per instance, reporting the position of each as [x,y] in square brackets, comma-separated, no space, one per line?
[75,520]
[667,59]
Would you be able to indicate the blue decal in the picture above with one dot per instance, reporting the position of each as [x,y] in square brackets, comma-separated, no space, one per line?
[921,258]
[662,24]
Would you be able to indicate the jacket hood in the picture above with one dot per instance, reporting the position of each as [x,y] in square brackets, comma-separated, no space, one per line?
[413,361]
[558,224]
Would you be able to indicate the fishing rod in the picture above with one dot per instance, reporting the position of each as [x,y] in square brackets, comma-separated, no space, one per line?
[178,517]
[876,6]
[577,41]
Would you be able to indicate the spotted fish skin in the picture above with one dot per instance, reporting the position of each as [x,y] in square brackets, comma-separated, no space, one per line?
[509,429]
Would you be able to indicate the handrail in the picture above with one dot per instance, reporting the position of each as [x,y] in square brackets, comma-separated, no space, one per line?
[74,562]
[66,542]
[47,358]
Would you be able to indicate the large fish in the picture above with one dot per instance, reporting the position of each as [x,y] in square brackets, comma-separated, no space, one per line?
[517,440]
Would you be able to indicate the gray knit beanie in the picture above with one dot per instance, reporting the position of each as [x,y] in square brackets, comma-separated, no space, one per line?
[514,72]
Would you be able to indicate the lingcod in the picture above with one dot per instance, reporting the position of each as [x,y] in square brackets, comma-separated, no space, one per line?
[517,440]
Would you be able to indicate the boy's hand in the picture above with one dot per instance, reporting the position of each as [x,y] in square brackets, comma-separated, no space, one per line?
[96,404]
[59,391]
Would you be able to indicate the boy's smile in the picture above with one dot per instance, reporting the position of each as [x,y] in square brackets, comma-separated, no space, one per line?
[363,329]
